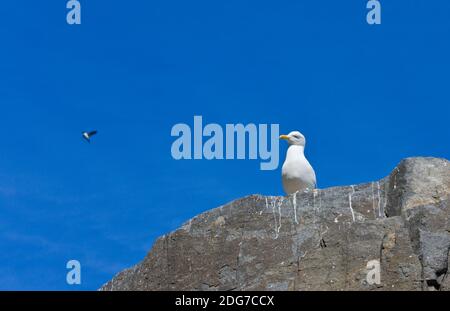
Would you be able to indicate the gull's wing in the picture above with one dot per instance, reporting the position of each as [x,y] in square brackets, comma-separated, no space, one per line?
[92,133]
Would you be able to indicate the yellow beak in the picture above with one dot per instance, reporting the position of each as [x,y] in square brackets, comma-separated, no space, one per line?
[284,137]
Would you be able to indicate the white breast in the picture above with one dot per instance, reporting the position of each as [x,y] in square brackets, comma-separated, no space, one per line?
[297,173]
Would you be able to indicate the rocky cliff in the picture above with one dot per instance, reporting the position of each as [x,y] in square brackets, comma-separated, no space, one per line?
[328,239]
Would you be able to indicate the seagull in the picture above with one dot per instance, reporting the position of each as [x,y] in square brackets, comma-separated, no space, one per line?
[87,135]
[297,174]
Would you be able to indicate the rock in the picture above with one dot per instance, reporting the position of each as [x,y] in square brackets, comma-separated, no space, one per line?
[329,239]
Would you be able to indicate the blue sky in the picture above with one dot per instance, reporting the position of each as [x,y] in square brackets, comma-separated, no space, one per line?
[364,96]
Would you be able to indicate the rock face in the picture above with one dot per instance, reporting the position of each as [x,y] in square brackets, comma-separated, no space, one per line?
[329,239]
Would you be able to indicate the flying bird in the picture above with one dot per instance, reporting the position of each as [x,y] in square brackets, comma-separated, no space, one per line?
[297,174]
[87,135]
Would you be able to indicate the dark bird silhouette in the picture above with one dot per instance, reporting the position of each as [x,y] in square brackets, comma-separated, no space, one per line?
[87,135]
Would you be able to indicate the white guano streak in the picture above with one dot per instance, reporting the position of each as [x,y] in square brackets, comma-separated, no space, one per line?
[294,203]
[379,199]
[350,201]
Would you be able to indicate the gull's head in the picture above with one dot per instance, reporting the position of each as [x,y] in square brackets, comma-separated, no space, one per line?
[294,138]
